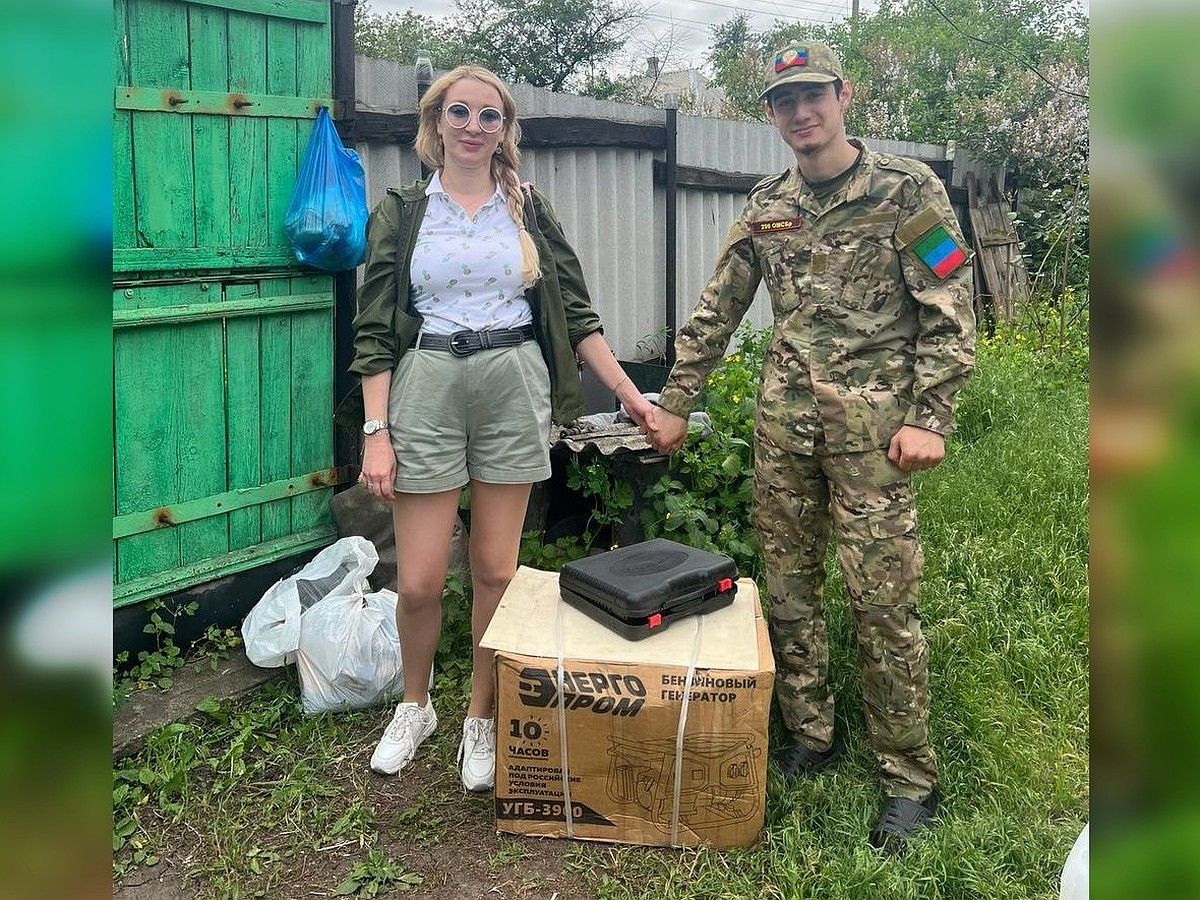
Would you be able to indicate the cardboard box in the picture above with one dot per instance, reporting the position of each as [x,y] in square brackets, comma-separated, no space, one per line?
[621,723]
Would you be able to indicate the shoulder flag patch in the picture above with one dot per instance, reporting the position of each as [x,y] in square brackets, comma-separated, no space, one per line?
[940,251]
[775,225]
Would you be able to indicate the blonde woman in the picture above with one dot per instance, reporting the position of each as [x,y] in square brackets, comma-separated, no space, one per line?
[466,340]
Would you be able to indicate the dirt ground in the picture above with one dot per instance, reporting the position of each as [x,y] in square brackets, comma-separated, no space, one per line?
[454,847]
[424,818]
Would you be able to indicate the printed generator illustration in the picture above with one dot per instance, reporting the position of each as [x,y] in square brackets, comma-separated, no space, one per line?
[719,782]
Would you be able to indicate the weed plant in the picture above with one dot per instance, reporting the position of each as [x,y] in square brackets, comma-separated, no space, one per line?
[705,499]
[156,668]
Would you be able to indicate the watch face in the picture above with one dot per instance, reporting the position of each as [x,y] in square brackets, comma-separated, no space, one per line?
[373,426]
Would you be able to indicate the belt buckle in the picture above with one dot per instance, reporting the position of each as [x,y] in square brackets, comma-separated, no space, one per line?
[460,343]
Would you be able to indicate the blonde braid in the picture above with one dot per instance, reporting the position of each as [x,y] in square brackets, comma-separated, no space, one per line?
[506,177]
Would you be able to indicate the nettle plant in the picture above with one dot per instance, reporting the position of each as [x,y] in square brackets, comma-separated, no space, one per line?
[705,498]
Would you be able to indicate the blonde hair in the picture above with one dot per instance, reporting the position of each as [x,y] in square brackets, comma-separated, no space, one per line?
[505,162]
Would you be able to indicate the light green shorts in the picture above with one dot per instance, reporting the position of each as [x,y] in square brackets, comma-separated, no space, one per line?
[484,417]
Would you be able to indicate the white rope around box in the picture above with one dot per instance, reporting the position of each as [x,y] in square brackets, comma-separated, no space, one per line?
[560,647]
[560,653]
[679,732]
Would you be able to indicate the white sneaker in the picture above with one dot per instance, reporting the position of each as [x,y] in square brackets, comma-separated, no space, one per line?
[477,754]
[409,727]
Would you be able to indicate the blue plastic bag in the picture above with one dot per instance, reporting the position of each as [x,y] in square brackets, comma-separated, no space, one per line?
[326,222]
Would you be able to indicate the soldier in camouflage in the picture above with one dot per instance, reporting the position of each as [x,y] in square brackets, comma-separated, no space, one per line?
[874,334]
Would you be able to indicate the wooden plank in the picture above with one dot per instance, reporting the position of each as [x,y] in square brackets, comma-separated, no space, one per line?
[137,427]
[244,404]
[314,64]
[998,240]
[313,444]
[275,422]
[281,133]
[200,386]
[208,31]
[220,103]
[707,179]
[565,131]
[164,582]
[980,225]
[172,259]
[199,312]
[1009,255]
[147,300]
[161,145]
[145,446]
[248,135]
[124,220]
[124,228]
[217,506]
[540,132]
[302,10]
[121,74]
[312,402]
[386,128]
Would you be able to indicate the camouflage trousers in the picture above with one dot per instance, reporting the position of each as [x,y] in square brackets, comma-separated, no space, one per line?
[868,504]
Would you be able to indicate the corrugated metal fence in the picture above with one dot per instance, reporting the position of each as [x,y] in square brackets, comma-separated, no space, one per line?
[596,160]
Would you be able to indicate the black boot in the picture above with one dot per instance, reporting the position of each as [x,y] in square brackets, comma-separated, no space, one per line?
[901,820]
[798,760]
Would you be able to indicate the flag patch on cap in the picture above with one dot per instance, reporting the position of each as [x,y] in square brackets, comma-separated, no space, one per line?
[793,56]
[940,251]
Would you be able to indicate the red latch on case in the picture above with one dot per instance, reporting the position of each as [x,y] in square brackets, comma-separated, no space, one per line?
[655,620]
[724,585]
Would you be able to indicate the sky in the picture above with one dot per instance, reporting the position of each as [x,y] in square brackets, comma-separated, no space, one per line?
[686,21]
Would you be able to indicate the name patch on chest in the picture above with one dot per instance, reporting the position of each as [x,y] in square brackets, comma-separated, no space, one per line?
[776,225]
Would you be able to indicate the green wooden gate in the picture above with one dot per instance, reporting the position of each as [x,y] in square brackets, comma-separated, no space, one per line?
[223,378]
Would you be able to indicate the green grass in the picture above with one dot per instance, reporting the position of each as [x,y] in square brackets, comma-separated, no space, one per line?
[255,786]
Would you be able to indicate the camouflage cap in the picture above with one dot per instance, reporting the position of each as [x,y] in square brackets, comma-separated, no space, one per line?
[810,62]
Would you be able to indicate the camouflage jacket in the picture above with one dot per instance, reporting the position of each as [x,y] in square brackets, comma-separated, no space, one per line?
[872,294]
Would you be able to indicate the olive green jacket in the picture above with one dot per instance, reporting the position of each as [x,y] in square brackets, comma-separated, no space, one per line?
[386,325]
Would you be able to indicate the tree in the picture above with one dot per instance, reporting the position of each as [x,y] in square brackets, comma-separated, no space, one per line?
[999,77]
[398,37]
[737,55]
[981,73]
[1005,79]
[554,44]
[649,86]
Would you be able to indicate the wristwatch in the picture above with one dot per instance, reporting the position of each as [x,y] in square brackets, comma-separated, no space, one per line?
[371,426]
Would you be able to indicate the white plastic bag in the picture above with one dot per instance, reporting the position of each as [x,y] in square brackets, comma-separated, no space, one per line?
[342,638]
[1075,876]
[349,654]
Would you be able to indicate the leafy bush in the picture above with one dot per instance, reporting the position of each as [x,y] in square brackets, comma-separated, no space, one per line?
[705,499]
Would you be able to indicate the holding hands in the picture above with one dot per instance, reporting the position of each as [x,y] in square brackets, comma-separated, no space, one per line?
[670,433]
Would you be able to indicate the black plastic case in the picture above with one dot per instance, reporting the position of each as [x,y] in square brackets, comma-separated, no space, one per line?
[640,589]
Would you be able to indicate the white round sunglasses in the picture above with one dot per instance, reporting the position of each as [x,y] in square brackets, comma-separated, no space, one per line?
[458,115]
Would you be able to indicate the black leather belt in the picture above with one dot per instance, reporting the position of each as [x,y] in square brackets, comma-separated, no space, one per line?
[464,343]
